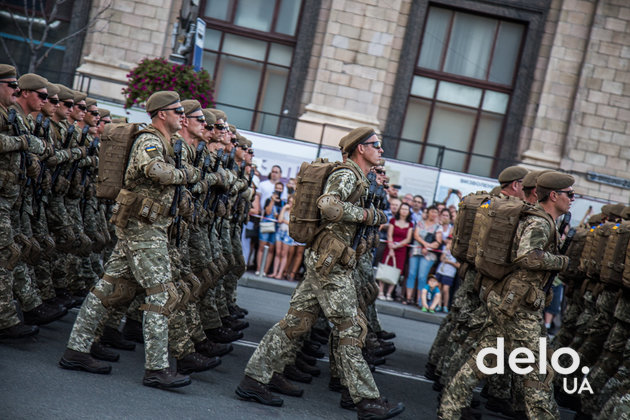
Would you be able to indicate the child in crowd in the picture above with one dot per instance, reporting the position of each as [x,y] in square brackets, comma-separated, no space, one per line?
[430,295]
[446,272]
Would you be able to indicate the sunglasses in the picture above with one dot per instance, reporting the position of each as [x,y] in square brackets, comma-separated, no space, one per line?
[379,171]
[221,127]
[374,144]
[250,151]
[569,194]
[12,83]
[95,113]
[244,147]
[68,104]
[41,95]
[178,110]
[199,118]
[105,121]
[53,101]
[82,107]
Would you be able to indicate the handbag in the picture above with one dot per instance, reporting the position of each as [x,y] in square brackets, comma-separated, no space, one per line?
[387,273]
[267,227]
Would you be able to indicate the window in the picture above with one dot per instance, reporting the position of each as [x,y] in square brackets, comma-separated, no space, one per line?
[460,91]
[248,49]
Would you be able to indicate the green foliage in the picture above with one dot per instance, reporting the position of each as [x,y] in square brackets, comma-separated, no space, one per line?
[155,74]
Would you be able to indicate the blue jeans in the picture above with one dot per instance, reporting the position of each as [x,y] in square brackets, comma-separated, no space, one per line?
[419,268]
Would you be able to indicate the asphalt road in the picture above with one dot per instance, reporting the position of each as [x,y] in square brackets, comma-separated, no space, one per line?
[32,386]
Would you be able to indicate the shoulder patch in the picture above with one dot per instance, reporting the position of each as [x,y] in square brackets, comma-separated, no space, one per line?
[151,151]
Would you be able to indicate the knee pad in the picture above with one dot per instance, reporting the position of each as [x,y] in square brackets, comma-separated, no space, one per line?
[11,256]
[294,330]
[195,286]
[358,320]
[123,293]
[184,294]
[171,304]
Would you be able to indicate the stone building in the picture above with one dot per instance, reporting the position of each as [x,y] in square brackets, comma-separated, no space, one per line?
[471,86]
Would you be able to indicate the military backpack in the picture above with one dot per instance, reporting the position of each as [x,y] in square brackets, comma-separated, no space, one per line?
[574,252]
[464,226]
[594,250]
[305,220]
[613,261]
[116,143]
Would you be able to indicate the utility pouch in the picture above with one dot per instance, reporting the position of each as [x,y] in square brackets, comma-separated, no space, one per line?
[535,298]
[123,208]
[512,298]
[149,210]
[332,251]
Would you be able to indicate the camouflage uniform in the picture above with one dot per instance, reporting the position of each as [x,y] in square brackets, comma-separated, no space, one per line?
[534,247]
[332,292]
[141,254]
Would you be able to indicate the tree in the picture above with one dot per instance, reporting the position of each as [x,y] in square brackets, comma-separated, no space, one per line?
[35,12]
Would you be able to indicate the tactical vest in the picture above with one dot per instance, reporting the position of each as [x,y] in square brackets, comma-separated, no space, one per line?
[305,221]
[573,272]
[464,227]
[613,261]
[592,256]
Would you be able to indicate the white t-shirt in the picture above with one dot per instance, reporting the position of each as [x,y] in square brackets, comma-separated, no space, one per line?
[447,270]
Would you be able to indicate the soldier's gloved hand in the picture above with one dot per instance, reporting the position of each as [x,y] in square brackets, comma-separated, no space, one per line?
[49,150]
[214,269]
[52,161]
[78,152]
[25,141]
[35,144]
[224,263]
[33,170]
[372,292]
[565,263]
[186,206]
[200,187]
[48,245]
[362,247]
[375,217]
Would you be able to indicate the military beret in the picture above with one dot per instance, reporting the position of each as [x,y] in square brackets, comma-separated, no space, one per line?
[90,102]
[220,115]
[232,129]
[64,93]
[595,219]
[104,112]
[625,213]
[7,71]
[242,141]
[79,96]
[191,106]
[210,117]
[529,181]
[249,143]
[555,180]
[350,141]
[496,190]
[160,100]
[52,89]
[512,173]
[616,210]
[32,81]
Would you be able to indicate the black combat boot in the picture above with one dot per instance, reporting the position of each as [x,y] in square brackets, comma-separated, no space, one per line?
[335,384]
[19,331]
[377,409]
[235,312]
[499,405]
[43,314]
[382,351]
[346,400]
[279,383]
[100,352]
[75,360]
[65,298]
[372,359]
[223,335]
[164,378]
[385,335]
[251,390]
[234,323]
[469,413]
[195,362]
[312,349]
[318,338]
[306,368]
[133,331]
[211,349]
[306,358]
[113,338]
[295,374]
[429,372]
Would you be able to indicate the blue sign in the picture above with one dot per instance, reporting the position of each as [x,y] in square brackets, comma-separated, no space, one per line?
[199,38]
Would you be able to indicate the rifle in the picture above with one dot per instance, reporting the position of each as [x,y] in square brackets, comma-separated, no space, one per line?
[566,221]
[12,119]
[240,196]
[178,192]
[38,124]
[204,171]
[215,168]
[225,196]
[75,164]
[90,152]
[37,187]
[65,145]
[368,202]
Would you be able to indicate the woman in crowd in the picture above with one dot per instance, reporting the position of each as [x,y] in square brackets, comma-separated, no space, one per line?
[399,233]
[285,245]
[445,222]
[427,239]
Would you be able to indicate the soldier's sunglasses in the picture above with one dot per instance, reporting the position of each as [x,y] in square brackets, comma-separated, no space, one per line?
[250,151]
[199,118]
[105,121]
[374,144]
[41,95]
[95,113]
[178,110]
[570,194]
[68,104]
[11,83]
[221,127]
[53,101]
[244,147]
[379,171]
[82,107]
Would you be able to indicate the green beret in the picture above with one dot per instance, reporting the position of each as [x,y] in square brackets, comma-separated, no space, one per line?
[104,112]
[7,71]
[614,210]
[350,141]
[496,190]
[90,102]
[78,96]
[554,180]
[32,81]
[210,117]
[595,219]
[191,106]
[242,141]
[160,100]
[220,115]
[52,89]
[64,93]
[511,174]
[529,181]
[625,213]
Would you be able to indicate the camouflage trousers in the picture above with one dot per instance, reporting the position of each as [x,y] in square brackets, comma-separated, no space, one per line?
[520,330]
[599,327]
[441,341]
[335,295]
[24,288]
[42,270]
[569,323]
[209,305]
[149,266]
[615,393]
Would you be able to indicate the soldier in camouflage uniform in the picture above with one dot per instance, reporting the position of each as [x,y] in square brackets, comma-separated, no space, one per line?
[12,151]
[534,252]
[140,259]
[329,286]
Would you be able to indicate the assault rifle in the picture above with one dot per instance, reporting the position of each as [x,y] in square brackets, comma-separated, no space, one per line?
[178,192]
[65,145]
[37,187]
[367,204]
[206,201]
[566,221]
[75,164]
[12,119]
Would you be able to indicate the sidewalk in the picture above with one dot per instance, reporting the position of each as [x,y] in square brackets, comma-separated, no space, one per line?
[249,279]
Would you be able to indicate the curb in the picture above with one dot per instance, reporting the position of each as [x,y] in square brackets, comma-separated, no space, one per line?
[253,281]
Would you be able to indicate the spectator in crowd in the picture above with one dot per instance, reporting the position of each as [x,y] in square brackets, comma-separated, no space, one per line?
[453,197]
[427,239]
[417,205]
[267,187]
[285,245]
[445,222]
[271,211]
[291,185]
[408,199]
[555,307]
[251,231]
[430,295]
[399,232]
[453,209]
[394,205]
[446,272]
[392,191]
